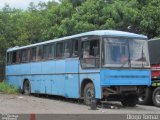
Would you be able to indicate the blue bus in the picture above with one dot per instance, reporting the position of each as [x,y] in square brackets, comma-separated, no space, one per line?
[101,64]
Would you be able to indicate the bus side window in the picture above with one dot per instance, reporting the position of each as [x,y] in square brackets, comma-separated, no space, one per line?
[59,50]
[14,55]
[45,52]
[90,49]
[51,51]
[67,49]
[18,57]
[94,48]
[9,58]
[75,48]
[90,53]
[39,53]
[24,56]
[33,54]
[85,49]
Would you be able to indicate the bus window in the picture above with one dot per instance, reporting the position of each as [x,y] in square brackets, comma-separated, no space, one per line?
[24,56]
[8,58]
[67,49]
[39,53]
[45,51]
[18,57]
[33,54]
[51,51]
[90,53]
[14,57]
[59,50]
[75,48]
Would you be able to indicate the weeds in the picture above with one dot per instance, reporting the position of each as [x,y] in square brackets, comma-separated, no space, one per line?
[5,88]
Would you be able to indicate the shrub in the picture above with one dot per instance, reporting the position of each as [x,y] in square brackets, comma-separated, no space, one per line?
[6,88]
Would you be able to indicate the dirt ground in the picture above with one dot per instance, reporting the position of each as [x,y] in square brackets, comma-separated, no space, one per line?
[21,104]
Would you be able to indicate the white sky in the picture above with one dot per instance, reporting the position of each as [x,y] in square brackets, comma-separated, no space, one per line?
[23,4]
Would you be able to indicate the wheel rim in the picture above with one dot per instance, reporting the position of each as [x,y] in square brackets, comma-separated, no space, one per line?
[157,97]
[142,97]
[90,94]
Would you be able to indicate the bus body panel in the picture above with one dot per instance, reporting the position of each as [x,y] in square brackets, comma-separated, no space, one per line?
[125,77]
[48,77]
[18,69]
[64,76]
[35,68]
[94,76]
[72,87]
[48,67]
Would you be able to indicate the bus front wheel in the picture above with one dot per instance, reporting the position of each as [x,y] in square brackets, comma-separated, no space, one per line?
[27,87]
[156,97]
[89,93]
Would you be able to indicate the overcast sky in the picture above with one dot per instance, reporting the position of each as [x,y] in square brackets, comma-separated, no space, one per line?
[23,4]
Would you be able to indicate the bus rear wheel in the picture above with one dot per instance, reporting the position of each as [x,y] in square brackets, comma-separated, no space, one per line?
[89,93]
[27,87]
[156,97]
[130,100]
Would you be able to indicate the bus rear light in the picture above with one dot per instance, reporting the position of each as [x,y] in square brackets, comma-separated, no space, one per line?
[155,71]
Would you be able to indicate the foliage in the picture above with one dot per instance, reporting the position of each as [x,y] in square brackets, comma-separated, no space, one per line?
[50,20]
[5,88]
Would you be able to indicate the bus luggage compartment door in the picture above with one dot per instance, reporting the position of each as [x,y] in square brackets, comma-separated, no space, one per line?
[125,77]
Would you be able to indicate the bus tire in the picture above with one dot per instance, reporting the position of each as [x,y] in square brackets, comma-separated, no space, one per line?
[130,100]
[27,87]
[146,97]
[156,97]
[89,93]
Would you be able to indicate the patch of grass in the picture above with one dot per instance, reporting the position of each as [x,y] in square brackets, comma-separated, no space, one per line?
[10,89]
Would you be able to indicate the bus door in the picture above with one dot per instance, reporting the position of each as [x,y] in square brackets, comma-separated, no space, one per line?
[71,69]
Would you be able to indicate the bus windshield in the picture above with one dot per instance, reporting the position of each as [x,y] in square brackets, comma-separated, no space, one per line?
[123,52]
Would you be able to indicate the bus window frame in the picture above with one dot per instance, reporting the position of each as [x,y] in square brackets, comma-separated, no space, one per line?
[90,38]
[28,54]
[73,41]
[53,57]
[62,57]
[70,48]
[45,58]
[19,55]
[12,56]
[39,58]
[9,56]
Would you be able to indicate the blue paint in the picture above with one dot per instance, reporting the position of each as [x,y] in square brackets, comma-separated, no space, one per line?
[125,77]
[64,77]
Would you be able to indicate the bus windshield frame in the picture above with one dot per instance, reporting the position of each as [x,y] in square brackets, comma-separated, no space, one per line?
[121,52]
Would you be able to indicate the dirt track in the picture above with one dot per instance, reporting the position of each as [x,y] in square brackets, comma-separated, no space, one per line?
[42,105]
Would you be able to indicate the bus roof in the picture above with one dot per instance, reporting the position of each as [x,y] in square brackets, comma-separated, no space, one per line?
[111,33]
